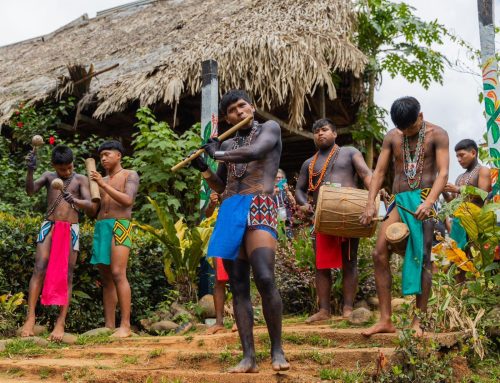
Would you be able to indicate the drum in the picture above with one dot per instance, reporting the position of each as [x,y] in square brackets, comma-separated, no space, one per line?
[396,235]
[338,210]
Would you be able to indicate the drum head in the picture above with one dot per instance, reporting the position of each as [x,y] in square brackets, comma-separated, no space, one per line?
[396,232]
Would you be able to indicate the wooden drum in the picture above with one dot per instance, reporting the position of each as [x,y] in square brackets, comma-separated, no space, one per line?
[396,235]
[338,210]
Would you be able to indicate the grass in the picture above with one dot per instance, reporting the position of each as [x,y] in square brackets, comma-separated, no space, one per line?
[486,371]
[45,372]
[201,343]
[15,372]
[362,345]
[341,324]
[316,356]
[309,339]
[294,319]
[155,353]
[337,374]
[226,356]
[194,358]
[130,359]
[84,340]
[189,338]
[21,347]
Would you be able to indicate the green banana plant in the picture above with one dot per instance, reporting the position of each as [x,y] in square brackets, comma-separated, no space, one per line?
[184,249]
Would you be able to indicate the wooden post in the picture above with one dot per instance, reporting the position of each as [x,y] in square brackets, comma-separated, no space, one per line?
[209,117]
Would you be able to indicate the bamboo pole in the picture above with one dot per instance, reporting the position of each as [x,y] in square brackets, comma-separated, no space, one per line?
[222,137]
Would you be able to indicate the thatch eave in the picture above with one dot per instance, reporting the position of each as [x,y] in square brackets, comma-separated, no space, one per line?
[278,50]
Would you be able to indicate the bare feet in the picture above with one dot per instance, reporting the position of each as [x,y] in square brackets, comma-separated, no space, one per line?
[380,327]
[346,311]
[321,315]
[57,334]
[122,332]
[419,331]
[234,328]
[247,365]
[215,329]
[28,328]
[279,362]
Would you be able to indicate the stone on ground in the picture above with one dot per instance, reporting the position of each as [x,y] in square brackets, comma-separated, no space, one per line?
[208,306]
[69,338]
[98,331]
[397,304]
[373,302]
[360,316]
[164,325]
[37,330]
[361,303]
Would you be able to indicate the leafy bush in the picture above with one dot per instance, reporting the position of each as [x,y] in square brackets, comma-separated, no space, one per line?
[295,284]
[184,249]
[156,149]
[9,312]
[17,249]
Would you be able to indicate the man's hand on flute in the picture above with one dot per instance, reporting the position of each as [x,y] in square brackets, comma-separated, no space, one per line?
[199,162]
[212,146]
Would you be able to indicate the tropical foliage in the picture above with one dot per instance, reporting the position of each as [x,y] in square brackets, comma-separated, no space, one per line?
[183,249]
[398,42]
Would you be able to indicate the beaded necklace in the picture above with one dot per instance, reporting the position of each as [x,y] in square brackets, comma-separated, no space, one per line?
[59,198]
[332,156]
[414,165]
[462,180]
[245,141]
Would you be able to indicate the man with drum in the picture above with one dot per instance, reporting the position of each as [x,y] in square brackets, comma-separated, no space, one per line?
[246,229]
[419,152]
[337,166]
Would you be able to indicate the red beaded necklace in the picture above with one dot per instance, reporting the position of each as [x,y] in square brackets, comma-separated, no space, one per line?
[312,186]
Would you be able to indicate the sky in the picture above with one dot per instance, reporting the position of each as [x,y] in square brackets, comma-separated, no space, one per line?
[453,105]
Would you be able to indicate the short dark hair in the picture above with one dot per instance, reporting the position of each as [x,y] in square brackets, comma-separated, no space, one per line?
[404,112]
[231,97]
[62,155]
[322,122]
[111,145]
[466,144]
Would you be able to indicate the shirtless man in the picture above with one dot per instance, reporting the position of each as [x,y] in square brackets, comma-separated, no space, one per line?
[334,165]
[55,260]
[245,231]
[420,154]
[475,175]
[112,234]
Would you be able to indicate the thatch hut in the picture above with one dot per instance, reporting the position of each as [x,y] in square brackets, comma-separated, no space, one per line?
[295,57]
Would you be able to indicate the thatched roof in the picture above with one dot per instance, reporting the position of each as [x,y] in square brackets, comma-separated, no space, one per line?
[278,50]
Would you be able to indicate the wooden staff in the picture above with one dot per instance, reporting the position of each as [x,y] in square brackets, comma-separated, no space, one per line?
[94,188]
[222,137]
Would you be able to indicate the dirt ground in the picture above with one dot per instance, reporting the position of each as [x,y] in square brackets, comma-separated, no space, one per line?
[204,358]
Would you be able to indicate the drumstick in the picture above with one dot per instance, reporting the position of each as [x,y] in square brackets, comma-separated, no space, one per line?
[222,137]
[94,188]
[405,209]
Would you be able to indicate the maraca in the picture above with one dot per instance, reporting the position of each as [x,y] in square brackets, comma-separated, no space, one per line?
[36,141]
[57,184]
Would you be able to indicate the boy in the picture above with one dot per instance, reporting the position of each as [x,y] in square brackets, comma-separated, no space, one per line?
[112,234]
[57,243]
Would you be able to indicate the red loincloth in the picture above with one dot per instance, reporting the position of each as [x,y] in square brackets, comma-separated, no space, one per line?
[55,285]
[328,251]
[220,271]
